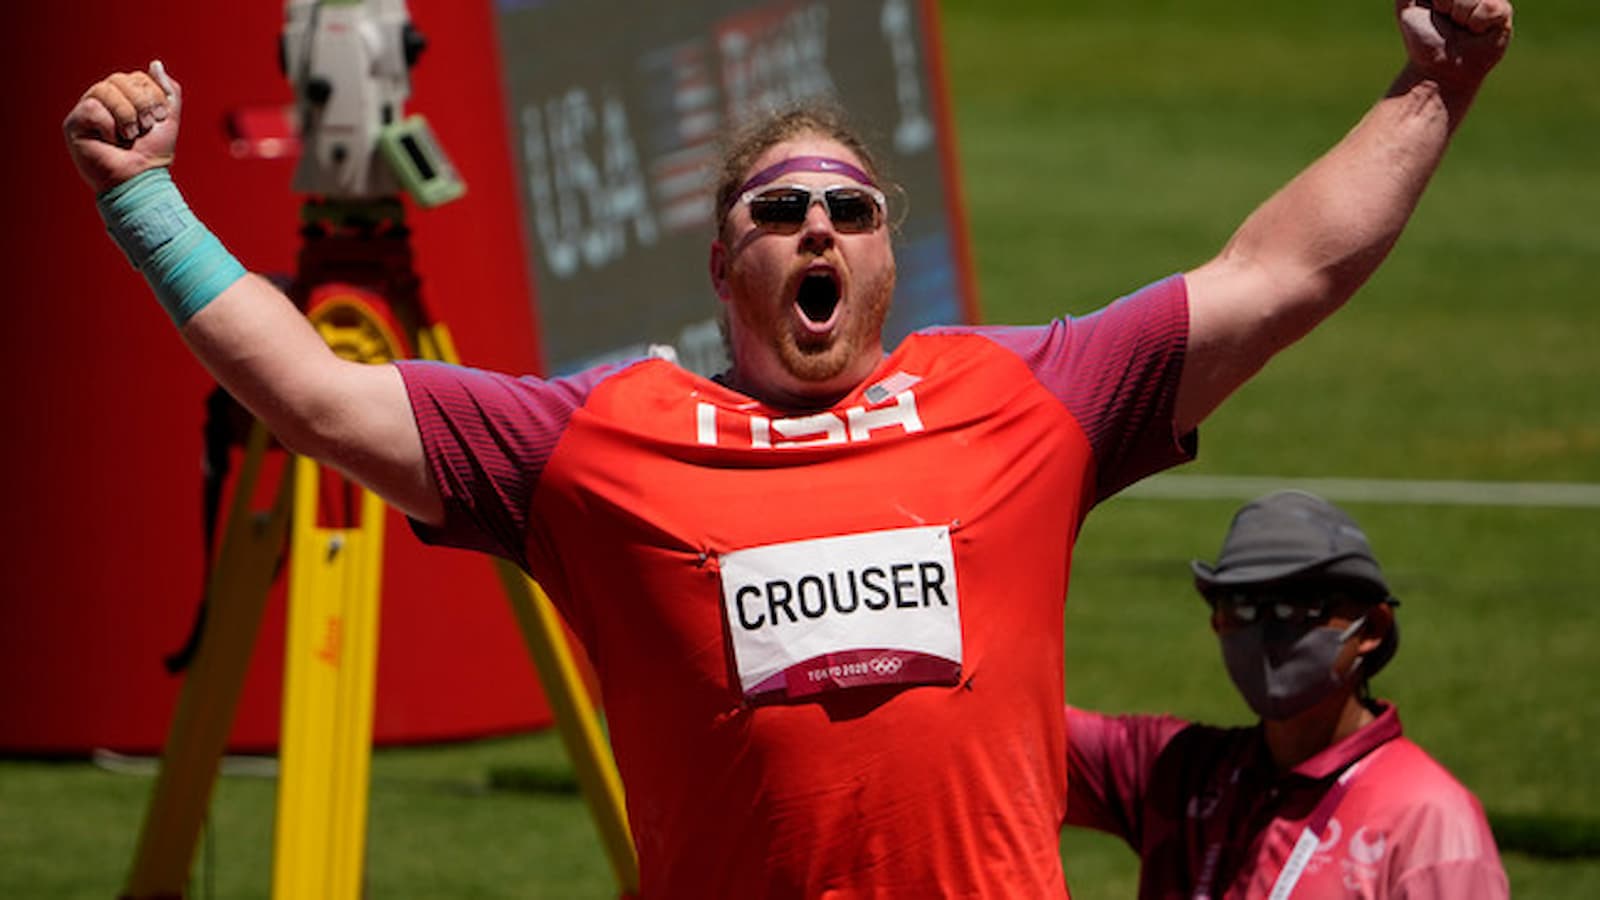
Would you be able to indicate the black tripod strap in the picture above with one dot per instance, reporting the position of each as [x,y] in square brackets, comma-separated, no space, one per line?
[220,434]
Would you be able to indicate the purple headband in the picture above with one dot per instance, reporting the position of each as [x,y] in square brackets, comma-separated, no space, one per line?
[804,164]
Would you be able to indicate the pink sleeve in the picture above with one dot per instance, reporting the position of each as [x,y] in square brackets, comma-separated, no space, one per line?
[1449,849]
[1462,879]
[1109,764]
[487,438]
[1117,371]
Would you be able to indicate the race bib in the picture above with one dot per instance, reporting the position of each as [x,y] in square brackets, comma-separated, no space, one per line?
[840,612]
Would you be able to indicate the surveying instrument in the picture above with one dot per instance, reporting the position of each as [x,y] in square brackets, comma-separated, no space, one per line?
[349,62]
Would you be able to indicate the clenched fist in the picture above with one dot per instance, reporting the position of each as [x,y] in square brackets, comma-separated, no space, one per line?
[1455,41]
[124,125]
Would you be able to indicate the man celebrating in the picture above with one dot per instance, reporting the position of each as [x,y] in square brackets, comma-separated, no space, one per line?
[823,592]
[1323,798]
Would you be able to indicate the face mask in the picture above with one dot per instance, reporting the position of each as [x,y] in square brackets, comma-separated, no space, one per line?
[1283,669]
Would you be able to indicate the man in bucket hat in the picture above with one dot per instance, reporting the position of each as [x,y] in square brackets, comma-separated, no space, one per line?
[1323,797]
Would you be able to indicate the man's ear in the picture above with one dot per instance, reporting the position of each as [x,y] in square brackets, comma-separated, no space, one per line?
[719,268]
[1380,619]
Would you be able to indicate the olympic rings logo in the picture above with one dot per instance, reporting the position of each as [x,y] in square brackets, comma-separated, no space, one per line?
[886,665]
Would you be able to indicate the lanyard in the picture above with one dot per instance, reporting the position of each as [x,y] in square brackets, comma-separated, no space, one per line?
[1310,837]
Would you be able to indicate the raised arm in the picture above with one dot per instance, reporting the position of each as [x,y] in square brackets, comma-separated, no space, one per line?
[1110,761]
[122,136]
[1304,252]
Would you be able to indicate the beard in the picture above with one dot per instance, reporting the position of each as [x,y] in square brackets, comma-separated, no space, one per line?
[822,358]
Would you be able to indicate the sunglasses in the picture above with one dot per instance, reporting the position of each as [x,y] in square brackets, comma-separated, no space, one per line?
[1295,607]
[854,209]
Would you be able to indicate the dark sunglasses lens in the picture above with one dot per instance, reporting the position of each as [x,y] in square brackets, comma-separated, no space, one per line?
[1241,608]
[783,206]
[1295,608]
[852,209]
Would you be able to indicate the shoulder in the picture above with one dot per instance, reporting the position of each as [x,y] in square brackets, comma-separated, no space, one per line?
[1087,727]
[1435,813]
[1413,820]
[432,377]
[1200,751]
[1155,313]
[1166,744]
[1133,332]
[1409,774]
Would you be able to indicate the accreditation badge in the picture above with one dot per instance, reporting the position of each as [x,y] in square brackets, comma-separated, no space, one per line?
[841,612]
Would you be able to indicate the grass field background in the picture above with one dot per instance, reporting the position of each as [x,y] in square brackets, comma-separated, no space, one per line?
[1103,148]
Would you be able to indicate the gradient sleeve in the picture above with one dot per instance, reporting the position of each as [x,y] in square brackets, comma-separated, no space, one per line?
[487,438]
[1117,371]
[1109,764]
[1447,851]
[1471,879]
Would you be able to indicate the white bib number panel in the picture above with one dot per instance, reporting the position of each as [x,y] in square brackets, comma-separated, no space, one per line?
[848,611]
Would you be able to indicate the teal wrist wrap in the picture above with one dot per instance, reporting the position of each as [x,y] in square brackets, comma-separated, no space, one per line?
[183,261]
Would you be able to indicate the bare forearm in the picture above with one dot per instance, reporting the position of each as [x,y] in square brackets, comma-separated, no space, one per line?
[1307,250]
[1323,234]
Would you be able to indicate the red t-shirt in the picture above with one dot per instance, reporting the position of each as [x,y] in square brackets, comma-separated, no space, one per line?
[1206,808]
[829,644]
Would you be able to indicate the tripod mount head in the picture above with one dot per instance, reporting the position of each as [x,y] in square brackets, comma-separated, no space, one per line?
[350,63]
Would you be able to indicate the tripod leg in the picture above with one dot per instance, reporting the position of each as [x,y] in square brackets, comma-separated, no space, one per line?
[434,342]
[329,680]
[564,689]
[236,595]
[576,720]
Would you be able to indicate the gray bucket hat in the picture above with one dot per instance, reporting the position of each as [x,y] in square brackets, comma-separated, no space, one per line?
[1293,536]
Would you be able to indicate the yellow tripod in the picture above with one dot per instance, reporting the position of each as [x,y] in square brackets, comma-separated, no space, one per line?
[360,292]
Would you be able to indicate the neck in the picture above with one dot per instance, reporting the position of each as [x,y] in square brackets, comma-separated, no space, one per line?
[1294,740]
[779,387]
[778,398]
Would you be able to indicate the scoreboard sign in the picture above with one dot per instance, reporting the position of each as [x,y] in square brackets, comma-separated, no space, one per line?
[615,109]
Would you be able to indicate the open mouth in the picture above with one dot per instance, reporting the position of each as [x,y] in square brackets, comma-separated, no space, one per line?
[818,297]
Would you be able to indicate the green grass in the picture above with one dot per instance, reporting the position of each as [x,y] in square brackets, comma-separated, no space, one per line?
[1101,152]
[437,828]
[1101,148]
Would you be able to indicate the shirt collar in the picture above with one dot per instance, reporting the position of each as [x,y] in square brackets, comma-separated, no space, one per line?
[1340,756]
